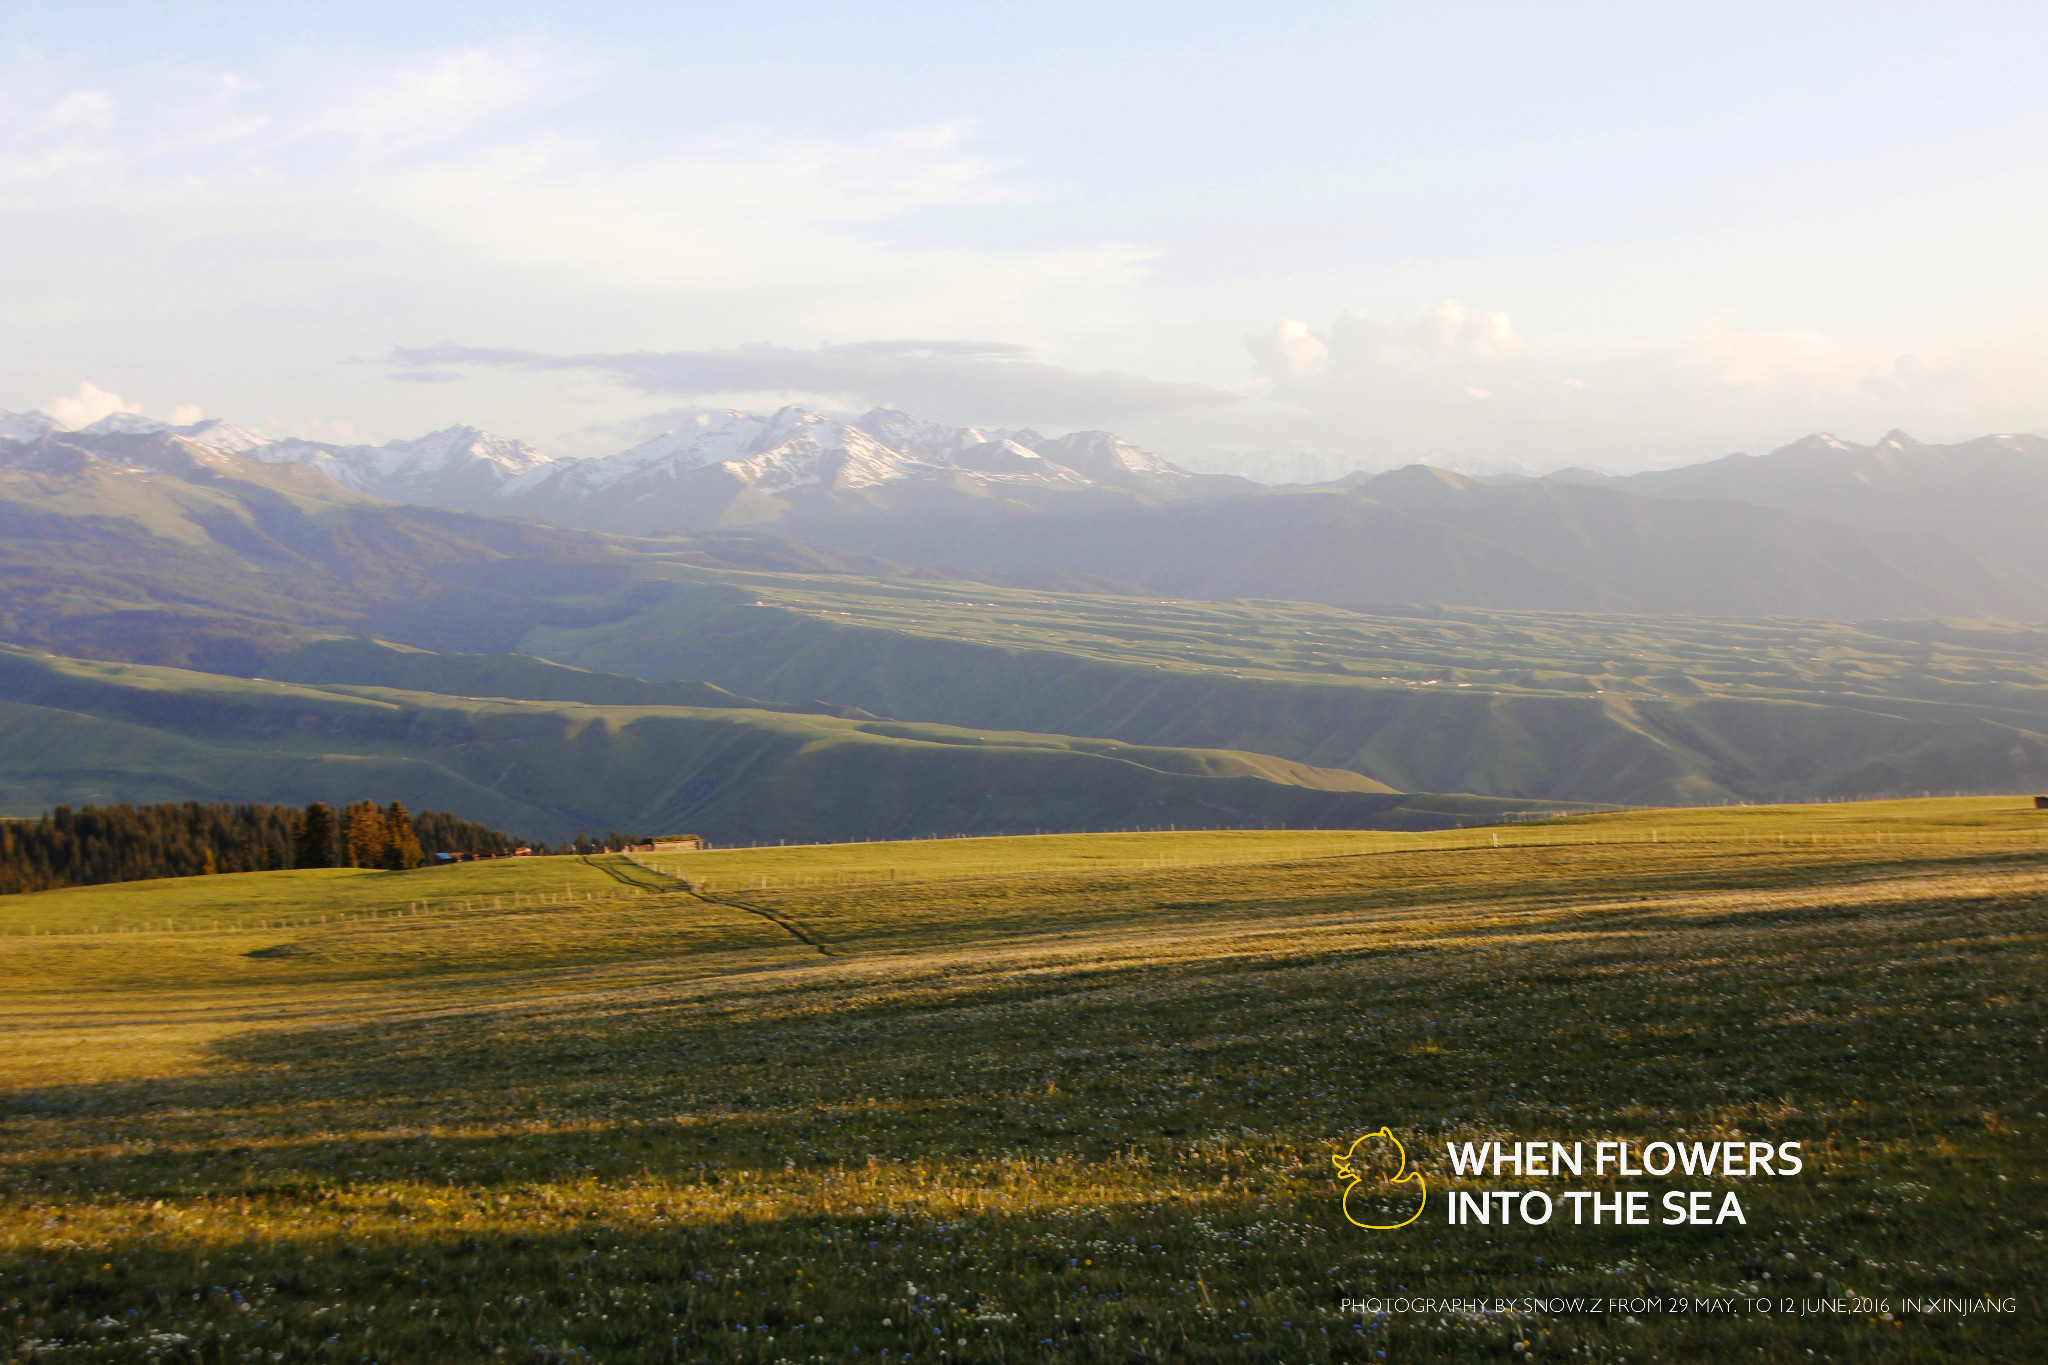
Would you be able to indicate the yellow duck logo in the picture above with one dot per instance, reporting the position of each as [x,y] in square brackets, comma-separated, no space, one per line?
[1347,1164]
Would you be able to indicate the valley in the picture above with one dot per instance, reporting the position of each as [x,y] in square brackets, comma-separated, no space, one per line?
[79,732]
[1574,707]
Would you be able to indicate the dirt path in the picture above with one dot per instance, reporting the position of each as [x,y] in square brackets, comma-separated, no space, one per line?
[646,878]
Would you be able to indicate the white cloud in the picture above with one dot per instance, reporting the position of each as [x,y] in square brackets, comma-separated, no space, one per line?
[1460,386]
[1446,334]
[86,405]
[231,234]
[308,222]
[1289,352]
[438,101]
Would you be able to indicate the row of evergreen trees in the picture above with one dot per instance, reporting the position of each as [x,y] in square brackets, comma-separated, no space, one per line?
[98,844]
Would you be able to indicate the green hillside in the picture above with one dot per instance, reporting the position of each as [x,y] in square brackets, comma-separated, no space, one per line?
[75,732]
[1622,709]
[376,663]
[186,556]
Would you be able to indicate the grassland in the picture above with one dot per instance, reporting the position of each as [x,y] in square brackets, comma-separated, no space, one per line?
[1056,1099]
[244,900]
[88,732]
[1563,706]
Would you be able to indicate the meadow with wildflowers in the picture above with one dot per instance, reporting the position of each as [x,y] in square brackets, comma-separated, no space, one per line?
[1070,1098]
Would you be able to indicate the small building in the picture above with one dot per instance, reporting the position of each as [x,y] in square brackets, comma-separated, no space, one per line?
[670,843]
[2041,803]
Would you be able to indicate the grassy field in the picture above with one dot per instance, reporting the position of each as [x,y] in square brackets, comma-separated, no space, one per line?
[1994,664]
[82,732]
[1573,706]
[239,900]
[1070,1098]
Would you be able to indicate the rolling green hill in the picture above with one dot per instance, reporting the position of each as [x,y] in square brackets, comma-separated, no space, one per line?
[520,677]
[76,732]
[1541,705]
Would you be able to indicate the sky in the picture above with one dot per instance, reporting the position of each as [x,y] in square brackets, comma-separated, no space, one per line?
[1287,241]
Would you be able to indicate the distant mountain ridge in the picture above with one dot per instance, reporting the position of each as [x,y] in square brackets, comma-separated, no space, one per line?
[723,467]
[152,545]
[1421,535]
[1820,528]
[458,467]
[1992,490]
[737,469]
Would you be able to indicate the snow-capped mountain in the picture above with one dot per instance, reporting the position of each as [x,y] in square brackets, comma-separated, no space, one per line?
[455,467]
[795,447]
[728,467]
[112,457]
[719,467]
[211,432]
[27,426]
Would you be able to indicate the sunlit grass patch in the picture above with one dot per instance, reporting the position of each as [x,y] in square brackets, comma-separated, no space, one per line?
[243,900]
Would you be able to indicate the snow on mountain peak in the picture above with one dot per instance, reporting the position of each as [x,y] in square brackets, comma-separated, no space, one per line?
[452,447]
[27,426]
[794,446]
[769,453]
[236,440]
[455,466]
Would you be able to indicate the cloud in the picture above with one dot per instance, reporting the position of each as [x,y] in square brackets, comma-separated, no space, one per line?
[1461,386]
[1289,352]
[310,214]
[1444,336]
[962,381]
[436,101]
[87,405]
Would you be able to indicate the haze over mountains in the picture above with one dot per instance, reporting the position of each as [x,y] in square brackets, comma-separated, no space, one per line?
[1992,491]
[1817,529]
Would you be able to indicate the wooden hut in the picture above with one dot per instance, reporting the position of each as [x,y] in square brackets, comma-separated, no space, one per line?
[670,843]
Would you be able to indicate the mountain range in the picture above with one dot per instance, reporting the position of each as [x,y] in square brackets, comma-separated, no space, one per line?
[1817,529]
[1992,491]
[719,468]
[767,601]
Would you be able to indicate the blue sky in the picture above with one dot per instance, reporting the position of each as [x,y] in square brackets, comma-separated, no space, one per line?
[1493,236]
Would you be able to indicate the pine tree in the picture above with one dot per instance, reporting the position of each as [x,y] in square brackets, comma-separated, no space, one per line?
[314,846]
[362,835]
[401,845]
[93,845]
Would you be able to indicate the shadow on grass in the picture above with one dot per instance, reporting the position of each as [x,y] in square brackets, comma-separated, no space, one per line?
[645,1179]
